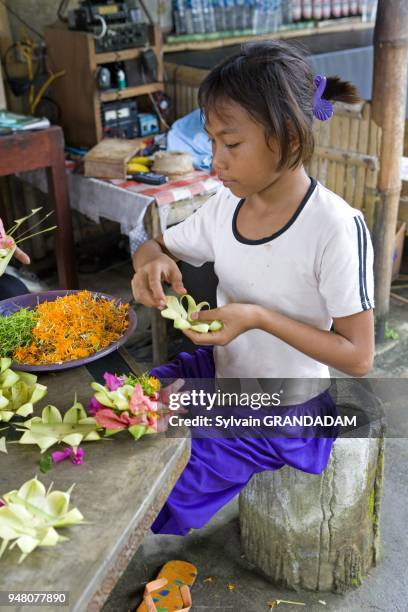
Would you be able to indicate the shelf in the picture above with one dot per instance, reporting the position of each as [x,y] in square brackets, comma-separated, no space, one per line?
[349,25]
[121,55]
[130,92]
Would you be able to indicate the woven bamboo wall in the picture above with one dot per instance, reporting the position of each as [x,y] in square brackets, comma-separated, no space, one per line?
[346,157]
[347,147]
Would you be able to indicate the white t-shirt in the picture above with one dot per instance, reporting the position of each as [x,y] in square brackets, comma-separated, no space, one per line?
[317,267]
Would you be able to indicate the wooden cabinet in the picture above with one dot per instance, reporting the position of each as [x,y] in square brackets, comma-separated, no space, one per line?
[77,94]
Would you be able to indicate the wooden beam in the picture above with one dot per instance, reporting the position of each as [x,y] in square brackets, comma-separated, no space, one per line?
[389,99]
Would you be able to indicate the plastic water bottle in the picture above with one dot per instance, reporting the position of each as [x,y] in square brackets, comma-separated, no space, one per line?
[208,16]
[198,17]
[317,8]
[297,10]
[179,15]
[229,12]
[258,18]
[239,15]
[307,10]
[326,9]
[219,15]
[286,11]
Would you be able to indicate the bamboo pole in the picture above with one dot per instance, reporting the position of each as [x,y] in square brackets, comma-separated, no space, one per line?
[389,99]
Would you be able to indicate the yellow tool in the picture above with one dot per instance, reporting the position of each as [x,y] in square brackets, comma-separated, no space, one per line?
[136,167]
[141,159]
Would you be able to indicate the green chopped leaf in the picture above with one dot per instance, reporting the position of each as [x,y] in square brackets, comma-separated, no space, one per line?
[45,463]
[16,330]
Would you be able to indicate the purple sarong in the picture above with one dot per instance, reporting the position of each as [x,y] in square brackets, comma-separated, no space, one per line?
[219,468]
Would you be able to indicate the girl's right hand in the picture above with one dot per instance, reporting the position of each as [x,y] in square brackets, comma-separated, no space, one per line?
[147,281]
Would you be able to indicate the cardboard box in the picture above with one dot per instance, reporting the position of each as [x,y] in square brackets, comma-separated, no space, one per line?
[109,158]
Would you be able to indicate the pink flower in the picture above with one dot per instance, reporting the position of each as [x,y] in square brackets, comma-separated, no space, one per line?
[108,419]
[2,503]
[94,406]
[140,402]
[76,456]
[152,422]
[112,382]
[6,243]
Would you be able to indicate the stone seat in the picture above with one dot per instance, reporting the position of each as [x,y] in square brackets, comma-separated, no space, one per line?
[321,532]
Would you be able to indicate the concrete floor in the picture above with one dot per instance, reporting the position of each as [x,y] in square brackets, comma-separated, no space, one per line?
[215,549]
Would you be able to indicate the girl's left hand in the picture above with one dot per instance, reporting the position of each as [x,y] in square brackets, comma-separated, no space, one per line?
[236,319]
[21,256]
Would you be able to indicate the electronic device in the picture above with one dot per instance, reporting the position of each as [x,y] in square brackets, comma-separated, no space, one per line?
[120,119]
[149,63]
[110,22]
[148,124]
[149,178]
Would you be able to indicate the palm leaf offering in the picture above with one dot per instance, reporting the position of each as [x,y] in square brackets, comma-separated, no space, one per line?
[30,516]
[19,391]
[126,403]
[52,428]
[182,317]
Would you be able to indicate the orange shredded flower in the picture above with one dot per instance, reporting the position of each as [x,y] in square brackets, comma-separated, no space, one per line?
[73,327]
[154,382]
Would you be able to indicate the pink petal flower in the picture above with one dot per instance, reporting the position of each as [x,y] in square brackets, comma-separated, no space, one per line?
[140,402]
[2,503]
[108,419]
[58,456]
[2,230]
[152,422]
[94,406]
[77,457]
[6,243]
[112,382]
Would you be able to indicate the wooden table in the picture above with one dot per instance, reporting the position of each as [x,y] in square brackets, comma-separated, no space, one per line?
[119,490]
[24,151]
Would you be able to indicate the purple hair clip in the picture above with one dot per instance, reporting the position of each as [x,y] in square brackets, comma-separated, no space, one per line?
[322,109]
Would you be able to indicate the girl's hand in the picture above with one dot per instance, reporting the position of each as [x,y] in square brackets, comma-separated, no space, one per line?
[147,282]
[21,256]
[236,319]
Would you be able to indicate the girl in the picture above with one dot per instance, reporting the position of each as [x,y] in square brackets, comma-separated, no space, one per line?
[294,263]
[10,286]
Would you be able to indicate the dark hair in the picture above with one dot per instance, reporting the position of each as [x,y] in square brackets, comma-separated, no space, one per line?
[273,81]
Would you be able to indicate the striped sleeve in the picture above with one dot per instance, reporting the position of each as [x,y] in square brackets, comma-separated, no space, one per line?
[346,279]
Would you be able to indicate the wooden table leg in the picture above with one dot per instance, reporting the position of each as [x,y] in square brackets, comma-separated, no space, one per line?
[159,325]
[58,191]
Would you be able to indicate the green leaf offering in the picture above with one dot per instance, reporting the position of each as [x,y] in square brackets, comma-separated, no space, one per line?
[31,515]
[51,428]
[19,391]
[182,317]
